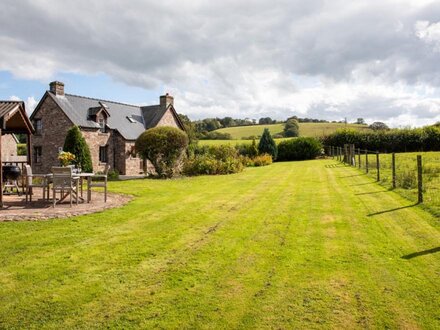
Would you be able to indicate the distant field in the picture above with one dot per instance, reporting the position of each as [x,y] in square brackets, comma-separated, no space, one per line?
[232,142]
[305,129]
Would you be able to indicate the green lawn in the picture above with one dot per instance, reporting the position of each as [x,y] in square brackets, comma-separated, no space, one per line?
[298,245]
[305,129]
[406,175]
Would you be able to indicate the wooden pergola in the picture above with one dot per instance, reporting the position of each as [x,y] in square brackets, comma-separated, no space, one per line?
[14,120]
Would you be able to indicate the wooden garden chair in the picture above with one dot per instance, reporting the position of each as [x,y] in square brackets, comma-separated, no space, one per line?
[44,183]
[66,183]
[100,181]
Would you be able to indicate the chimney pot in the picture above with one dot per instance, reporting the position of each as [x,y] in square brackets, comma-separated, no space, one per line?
[57,87]
[166,100]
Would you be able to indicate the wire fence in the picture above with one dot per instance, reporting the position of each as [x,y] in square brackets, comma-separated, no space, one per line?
[416,176]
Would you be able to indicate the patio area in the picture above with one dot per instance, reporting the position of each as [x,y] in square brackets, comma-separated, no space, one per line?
[16,209]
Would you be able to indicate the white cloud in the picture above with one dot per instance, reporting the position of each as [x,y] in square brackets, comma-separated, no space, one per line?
[30,103]
[429,32]
[255,58]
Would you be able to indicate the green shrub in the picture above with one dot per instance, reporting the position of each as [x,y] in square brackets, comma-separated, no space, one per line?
[164,147]
[21,149]
[251,137]
[267,145]
[113,175]
[261,160]
[246,149]
[77,145]
[299,149]
[213,160]
[216,136]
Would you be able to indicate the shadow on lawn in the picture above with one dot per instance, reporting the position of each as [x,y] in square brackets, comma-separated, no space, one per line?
[351,176]
[335,165]
[371,192]
[391,210]
[421,253]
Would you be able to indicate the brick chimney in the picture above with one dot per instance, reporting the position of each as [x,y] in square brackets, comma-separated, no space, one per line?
[57,87]
[166,100]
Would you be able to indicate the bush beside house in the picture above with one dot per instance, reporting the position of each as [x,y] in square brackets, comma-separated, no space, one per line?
[165,148]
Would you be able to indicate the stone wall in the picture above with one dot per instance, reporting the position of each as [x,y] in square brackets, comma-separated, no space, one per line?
[9,147]
[55,125]
[133,163]
[96,139]
[168,120]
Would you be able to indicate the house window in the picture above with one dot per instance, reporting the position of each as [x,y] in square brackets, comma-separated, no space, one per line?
[38,152]
[102,123]
[103,154]
[38,124]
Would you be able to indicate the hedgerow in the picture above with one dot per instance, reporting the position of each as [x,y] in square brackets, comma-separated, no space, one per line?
[299,149]
[395,140]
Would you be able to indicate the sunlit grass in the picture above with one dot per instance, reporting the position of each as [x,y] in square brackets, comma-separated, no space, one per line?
[298,245]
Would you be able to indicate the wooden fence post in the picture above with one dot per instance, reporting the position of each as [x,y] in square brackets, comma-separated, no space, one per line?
[393,168]
[377,165]
[359,157]
[366,161]
[352,155]
[419,179]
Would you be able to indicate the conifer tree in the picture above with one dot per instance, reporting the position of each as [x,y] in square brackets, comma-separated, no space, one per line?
[77,145]
[267,145]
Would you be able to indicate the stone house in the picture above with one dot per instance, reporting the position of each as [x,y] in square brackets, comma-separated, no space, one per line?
[109,128]
[9,147]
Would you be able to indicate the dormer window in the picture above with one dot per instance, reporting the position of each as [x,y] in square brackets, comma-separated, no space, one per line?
[99,115]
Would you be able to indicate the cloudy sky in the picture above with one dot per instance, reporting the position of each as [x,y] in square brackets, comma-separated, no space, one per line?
[331,59]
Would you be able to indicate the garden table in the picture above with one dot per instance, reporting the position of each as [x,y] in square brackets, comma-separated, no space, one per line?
[83,176]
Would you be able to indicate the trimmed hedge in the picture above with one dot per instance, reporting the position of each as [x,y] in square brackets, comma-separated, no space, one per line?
[396,140]
[164,147]
[299,149]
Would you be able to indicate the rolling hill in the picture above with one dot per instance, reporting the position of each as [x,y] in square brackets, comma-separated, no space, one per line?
[305,129]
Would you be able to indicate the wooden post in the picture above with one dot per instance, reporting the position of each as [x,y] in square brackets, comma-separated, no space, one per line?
[393,168]
[419,179]
[352,155]
[366,161]
[29,149]
[1,172]
[359,157]
[377,166]
[346,151]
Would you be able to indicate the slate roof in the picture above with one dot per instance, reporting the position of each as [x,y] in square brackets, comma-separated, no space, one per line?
[141,118]
[152,115]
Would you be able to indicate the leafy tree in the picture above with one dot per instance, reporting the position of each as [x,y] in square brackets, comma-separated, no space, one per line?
[189,127]
[164,147]
[360,121]
[227,122]
[378,126]
[291,128]
[266,121]
[77,145]
[267,145]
